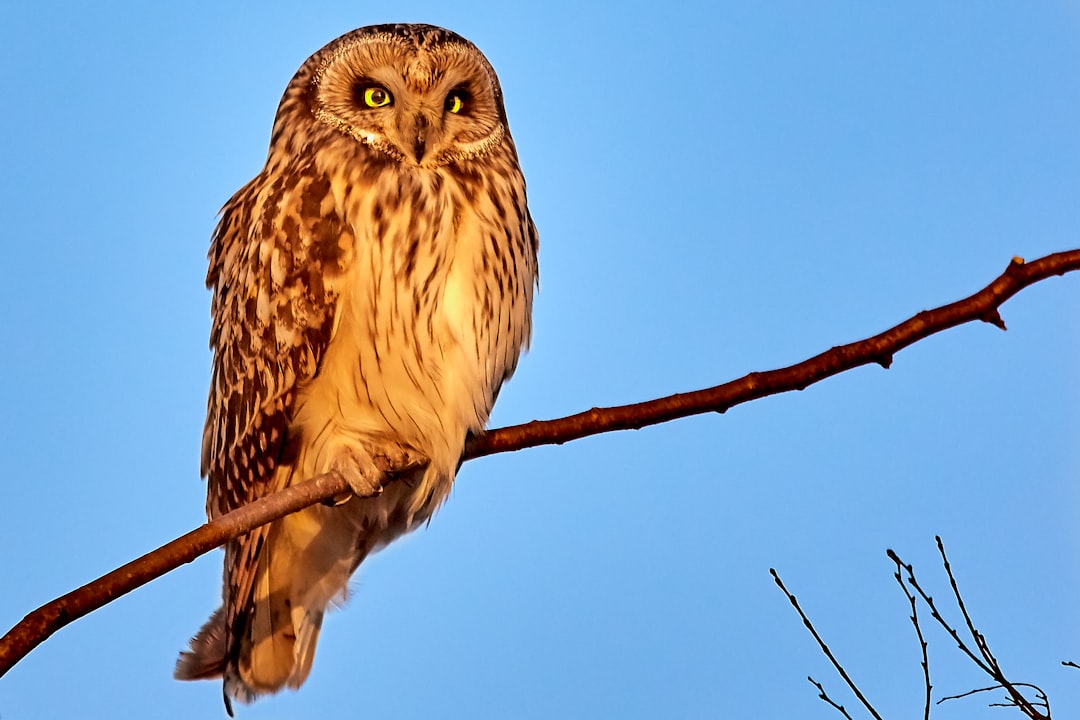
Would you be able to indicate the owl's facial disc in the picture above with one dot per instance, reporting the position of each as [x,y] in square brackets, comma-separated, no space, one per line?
[423,109]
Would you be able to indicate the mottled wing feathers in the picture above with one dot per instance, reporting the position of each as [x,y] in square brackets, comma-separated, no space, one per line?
[275,255]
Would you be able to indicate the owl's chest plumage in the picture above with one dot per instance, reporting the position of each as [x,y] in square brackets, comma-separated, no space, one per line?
[431,315]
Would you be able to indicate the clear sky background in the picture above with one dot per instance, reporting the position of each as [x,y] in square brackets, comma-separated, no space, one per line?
[720,188]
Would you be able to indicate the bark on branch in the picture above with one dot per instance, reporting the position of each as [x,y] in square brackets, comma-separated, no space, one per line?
[983,305]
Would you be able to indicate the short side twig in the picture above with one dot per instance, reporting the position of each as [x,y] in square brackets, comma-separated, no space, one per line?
[825,696]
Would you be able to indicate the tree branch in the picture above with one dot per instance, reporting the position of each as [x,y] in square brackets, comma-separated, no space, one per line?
[879,349]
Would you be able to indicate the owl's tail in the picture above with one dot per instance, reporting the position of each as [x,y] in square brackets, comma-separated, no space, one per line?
[282,578]
[300,569]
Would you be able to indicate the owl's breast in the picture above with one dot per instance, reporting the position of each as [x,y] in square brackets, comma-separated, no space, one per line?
[431,316]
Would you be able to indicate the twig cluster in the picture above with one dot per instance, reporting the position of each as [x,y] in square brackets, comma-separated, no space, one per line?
[983,658]
[879,349]
[1035,709]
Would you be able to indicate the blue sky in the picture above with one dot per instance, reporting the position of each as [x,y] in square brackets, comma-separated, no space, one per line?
[720,188]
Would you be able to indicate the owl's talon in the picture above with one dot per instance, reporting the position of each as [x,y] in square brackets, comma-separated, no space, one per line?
[338,499]
[397,460]
[365,484]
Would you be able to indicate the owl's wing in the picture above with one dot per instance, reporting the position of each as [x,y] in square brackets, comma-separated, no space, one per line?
[274,259]
[275,254]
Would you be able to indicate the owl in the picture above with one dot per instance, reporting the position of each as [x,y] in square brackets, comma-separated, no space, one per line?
[371,291]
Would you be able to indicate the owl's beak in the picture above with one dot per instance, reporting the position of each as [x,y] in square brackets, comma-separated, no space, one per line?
[421,129]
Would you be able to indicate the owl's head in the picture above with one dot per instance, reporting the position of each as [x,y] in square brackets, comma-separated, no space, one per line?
[417,94]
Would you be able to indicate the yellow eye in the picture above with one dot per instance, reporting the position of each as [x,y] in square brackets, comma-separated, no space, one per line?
[376,97]
[455,101]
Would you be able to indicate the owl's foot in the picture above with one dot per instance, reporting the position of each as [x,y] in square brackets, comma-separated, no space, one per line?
[366,472]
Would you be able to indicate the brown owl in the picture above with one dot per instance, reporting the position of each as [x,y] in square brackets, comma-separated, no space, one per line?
[372,290]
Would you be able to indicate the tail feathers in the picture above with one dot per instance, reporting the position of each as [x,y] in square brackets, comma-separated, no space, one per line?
[281,659]
[265,638]
[267,641]
[307,637]
[280,646]
[205,659]
[266,649]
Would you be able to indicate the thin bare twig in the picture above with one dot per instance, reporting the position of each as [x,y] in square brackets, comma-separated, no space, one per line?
[1042,702]
[914,617]
[980,640]
[828,653]
[880,349]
